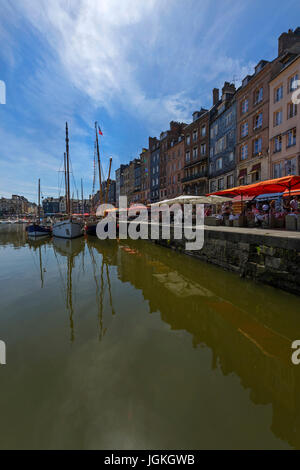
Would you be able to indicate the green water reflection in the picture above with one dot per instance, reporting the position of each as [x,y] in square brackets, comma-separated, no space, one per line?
[130,345]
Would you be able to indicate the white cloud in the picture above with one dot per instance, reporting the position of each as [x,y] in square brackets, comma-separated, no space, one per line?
[98,42]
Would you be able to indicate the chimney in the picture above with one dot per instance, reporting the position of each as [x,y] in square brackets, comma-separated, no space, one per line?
[287,40]
[228,88]
[215,96]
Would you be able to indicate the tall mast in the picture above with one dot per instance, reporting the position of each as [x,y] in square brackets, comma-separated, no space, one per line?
[66,183]
[108,181]
[77,192]
[99,166]
[68,169]
[82,200]
[39,206]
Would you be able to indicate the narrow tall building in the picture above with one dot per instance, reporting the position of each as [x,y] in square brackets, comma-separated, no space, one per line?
[254,154]
[175,167]
[284,119]
[145,157]
[154,148]
[166,138]
[222,162]
[196,147]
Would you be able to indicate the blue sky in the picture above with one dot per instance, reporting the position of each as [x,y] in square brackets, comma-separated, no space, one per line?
[133,65]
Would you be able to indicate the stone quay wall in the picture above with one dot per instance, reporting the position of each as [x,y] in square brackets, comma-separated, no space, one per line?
[268,258]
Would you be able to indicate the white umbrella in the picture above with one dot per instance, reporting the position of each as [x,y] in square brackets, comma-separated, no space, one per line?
[218,199]
[194,200]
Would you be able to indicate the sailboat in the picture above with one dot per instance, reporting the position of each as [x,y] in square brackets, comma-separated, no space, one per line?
[91,226]
[36,230]
[67,228]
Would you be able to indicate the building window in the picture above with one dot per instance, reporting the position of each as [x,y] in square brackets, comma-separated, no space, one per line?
[277,143]
[214,131]
[211,151]
[292,83]
[219,163]
[230,181]
[188,140]
[291,138]
[195,153]
[277,170]
[228,119]
[203,130]
[258,121]
[231,157]
[255,176]
[258,95]
[187,156]
[257,146]
[290,167]
[278,118]
[213,186]
[195,135]
[292,110]
[244,152]
[221,144]
[245,106]
[278,94]
[220,184]
[244,129]
[203,149]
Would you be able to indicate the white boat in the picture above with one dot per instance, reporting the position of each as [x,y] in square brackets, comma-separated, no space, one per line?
[67,229]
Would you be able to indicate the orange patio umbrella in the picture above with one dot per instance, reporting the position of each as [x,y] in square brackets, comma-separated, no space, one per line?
[278,185]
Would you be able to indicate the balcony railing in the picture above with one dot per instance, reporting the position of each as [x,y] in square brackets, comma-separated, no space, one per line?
[202,174]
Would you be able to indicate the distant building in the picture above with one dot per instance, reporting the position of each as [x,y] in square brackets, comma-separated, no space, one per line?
[134,187]
[111,199]
[120,182]
[51,206]
[17,205]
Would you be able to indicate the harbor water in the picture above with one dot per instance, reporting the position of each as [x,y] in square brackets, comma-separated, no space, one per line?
[129,345]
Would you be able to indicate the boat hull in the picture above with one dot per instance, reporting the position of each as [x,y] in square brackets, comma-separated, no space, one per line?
[38,231]
[91,229]
[67,229]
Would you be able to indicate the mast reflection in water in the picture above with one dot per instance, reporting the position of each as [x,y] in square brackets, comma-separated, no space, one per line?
[130,345]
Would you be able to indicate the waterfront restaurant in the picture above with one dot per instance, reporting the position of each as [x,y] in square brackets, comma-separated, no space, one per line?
[269,204]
